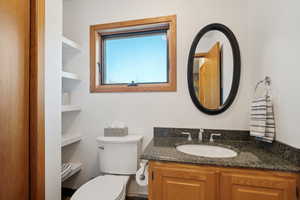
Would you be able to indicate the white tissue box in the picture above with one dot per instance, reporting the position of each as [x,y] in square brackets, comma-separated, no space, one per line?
[115,132]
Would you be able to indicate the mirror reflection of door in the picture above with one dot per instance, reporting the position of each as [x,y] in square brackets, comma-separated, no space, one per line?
[207,67]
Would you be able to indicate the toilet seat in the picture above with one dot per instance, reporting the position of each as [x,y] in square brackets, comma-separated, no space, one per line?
[108,187]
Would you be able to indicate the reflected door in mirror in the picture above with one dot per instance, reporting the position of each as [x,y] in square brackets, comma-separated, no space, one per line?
[208,77]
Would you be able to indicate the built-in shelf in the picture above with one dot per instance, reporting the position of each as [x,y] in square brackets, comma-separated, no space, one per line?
[69,49]
[76,167]
[70,108]
[67,43]
[69,75]
[70,139]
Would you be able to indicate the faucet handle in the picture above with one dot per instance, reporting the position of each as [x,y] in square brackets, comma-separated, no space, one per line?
[212,136]
[188,134]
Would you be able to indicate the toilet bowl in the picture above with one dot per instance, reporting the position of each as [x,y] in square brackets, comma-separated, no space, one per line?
[117,155]
[107,187]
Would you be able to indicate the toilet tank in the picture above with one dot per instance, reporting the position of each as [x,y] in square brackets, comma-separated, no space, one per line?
[119,155]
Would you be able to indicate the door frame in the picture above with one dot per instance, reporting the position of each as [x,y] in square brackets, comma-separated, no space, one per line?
[36,101]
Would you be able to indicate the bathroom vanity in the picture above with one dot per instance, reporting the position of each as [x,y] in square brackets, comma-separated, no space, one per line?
[254,173]
[169,181]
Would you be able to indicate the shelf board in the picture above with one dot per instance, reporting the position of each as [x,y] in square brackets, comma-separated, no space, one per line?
[69,75]
[67,43]
[70,139]
[70,108]
[76,167]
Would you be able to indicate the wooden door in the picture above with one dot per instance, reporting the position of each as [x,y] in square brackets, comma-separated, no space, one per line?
[209,78]
[14,99]
[174,182]
[236,186]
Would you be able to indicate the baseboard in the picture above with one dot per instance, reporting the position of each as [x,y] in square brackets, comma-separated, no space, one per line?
[136,198]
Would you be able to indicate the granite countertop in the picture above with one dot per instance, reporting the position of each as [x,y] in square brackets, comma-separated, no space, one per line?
[249,155]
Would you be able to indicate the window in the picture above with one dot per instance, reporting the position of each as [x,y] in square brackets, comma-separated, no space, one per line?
[140,59]
[134,56]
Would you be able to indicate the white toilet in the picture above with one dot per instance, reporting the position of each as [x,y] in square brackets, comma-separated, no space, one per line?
[118,158]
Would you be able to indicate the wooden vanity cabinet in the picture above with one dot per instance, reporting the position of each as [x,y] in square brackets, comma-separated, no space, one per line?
[179,182]
[172,181]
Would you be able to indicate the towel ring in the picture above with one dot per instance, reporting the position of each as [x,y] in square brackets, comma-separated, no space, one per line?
[267,82]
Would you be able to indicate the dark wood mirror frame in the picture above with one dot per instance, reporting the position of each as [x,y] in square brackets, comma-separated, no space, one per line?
[236,68]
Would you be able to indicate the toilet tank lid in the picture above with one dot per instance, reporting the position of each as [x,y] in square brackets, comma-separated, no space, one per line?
[117,140]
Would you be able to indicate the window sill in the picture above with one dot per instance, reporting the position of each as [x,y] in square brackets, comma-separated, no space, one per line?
[139,88]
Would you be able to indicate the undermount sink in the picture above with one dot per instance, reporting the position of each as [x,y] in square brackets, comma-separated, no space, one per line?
[206,151]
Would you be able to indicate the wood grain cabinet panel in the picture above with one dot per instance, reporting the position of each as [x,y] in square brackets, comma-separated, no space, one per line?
[174,182]
[236,186]
[251,193]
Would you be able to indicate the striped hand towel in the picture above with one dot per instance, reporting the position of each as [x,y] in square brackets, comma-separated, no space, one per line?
[66,168]
[262,123]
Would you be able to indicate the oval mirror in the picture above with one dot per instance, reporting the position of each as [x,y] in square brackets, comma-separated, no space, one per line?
[214,67]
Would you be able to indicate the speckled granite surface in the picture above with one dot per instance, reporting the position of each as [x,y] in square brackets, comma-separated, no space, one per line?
[250,154]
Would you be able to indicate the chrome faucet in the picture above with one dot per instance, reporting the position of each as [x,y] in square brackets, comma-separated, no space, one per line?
[188,134]
[212,136]
[200,137]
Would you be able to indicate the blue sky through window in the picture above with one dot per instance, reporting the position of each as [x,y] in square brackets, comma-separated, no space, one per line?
[140,58]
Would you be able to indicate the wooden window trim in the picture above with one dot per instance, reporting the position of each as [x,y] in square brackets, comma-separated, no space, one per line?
[171,34]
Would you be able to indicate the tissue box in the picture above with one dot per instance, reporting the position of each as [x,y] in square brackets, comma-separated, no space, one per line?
[115,132]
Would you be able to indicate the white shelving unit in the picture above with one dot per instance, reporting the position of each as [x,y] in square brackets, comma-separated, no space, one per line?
[70,44]
[69,49]
[70,139]
[69,75]
[70,108]
[76,167]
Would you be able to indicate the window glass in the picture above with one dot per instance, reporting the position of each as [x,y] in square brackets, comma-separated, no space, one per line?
[139,58]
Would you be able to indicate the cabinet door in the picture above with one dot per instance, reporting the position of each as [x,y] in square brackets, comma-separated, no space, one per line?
[171,183]
[256,187]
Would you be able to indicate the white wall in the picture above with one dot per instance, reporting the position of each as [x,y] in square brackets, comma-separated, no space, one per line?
[142,111]
[274,51]
[53,53]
